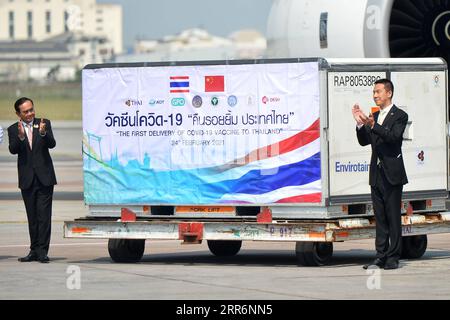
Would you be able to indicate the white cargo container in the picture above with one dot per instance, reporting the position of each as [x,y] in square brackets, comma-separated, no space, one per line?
[285,166]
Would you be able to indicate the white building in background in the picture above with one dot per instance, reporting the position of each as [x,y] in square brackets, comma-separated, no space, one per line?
[53,39]
[55,59]
[43,19]
[249,44]
[190,44]
[198,44]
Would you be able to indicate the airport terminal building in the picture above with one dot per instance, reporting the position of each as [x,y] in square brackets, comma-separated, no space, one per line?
[40,36]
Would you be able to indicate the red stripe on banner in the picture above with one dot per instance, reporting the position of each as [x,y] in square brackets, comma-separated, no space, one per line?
[313,197]
[178,91]
[180,78]
[299,140]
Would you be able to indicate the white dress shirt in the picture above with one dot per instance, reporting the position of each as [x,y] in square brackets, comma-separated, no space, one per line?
[25,127]
[383,114]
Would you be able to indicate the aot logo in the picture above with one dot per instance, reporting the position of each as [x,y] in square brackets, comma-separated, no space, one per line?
[132,103]
[154,102]
[178,102]
[266,99]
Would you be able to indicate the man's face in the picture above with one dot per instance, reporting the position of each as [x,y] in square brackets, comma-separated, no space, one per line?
[26,111]
[381,97]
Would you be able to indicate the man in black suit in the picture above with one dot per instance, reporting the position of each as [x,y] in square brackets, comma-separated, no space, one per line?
[384,132]
[31,138]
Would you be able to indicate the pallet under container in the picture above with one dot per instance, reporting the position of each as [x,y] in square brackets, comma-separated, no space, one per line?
[314,238]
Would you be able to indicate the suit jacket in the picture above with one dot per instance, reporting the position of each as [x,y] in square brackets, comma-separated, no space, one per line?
[386,141]
[35,161]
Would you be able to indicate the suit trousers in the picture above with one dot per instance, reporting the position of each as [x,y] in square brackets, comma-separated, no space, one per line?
[386,199]
[38,204]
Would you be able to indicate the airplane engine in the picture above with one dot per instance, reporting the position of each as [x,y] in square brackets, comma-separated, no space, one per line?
[359,28]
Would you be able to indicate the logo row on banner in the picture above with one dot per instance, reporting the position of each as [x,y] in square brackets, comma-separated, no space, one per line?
[198,101]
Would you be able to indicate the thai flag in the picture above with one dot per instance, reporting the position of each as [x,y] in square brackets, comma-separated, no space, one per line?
[179,84]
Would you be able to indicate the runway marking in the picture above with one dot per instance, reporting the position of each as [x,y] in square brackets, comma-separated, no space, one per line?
[57,244]
[73,244]
[13,222]
[23,221]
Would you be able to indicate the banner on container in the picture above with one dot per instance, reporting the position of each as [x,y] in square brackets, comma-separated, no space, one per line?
[220,134]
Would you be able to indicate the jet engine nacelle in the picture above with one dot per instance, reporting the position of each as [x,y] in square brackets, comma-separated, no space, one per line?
[359,28]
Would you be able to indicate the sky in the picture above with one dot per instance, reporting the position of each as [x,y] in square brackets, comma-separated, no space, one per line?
[153,19]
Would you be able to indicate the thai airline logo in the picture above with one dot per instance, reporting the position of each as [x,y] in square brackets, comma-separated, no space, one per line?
[131,102]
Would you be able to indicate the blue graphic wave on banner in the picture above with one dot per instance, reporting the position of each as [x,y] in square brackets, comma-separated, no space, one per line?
[261,181]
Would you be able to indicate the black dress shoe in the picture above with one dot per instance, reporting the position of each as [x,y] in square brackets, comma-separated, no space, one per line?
[43,259]
[391,266]
[375,263]
[30,257]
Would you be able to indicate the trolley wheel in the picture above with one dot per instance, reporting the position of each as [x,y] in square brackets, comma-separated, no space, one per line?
[314,253]
[413,247]
[224,248]
[126,250]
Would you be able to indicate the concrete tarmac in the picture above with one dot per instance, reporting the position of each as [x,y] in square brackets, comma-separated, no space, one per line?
[169,270]
[82,269]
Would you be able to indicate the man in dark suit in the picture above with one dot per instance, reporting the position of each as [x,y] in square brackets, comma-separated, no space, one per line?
[384,132]
[31,138]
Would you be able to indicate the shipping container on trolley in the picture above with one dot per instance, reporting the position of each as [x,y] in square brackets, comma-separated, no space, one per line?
[254,150]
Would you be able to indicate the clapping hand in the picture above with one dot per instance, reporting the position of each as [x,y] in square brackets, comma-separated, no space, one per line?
[370,120]
[42,127]
[21,130]
[361,118]
[359,115]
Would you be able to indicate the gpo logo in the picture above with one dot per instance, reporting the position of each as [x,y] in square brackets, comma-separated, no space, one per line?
[178,102]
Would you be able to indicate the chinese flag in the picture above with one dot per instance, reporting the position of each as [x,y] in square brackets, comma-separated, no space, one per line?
[214,84]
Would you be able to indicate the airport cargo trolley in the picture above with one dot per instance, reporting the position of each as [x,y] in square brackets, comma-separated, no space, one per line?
[254,150]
